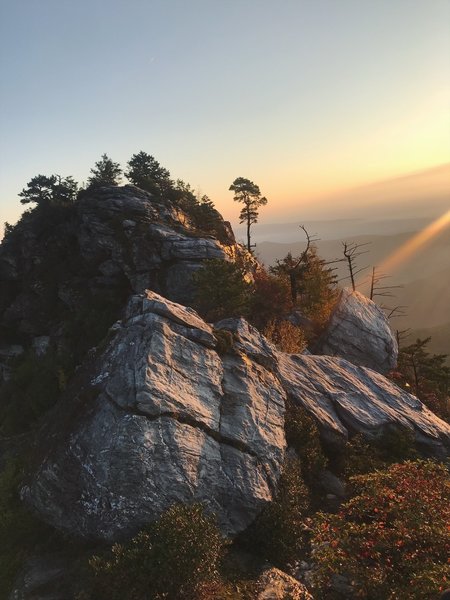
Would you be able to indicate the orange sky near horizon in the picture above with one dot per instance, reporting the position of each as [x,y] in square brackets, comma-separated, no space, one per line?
[319,103]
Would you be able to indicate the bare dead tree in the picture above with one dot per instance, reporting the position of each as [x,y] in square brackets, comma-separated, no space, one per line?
[309,240]
[352,252]
[394,312]
[401,335]
[381,290]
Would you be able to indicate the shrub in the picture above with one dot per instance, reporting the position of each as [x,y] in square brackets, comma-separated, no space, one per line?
[169,559]
[286,336]
[391,539]
[425,375]
[271,299]
[34,387]
[303,436]
[224,341]
[279,533]
[221,290]
[312,282]
[360,456]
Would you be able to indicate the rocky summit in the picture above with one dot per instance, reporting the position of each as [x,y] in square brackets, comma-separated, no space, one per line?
[114,241]
[162,417]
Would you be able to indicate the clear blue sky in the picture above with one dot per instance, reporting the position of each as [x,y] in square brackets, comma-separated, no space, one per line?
[305,97]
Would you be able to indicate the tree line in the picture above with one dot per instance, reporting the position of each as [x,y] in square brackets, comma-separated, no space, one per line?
[145,172]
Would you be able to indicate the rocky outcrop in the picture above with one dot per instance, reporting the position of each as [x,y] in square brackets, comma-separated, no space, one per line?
[346,399]
[164,419]
[359,331]
[112,242]
[161,417]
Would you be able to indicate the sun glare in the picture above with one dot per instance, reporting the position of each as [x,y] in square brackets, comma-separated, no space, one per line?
[409,248]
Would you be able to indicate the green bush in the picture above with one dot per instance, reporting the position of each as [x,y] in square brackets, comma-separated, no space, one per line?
[34,387]
[279,533]
[169,559]
[391,539]
[360,456]
[221,290]
[271,299]
[303,436]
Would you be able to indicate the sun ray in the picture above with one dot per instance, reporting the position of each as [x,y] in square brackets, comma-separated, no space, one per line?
[414,244]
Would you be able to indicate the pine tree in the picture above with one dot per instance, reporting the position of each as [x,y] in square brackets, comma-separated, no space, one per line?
[105,172]
[50,190]
[248,193]
[146,172]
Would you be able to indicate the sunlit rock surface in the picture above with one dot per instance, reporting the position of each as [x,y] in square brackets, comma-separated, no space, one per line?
[163,419]
[359,331]
[274,584]
[160,417]
[346,399]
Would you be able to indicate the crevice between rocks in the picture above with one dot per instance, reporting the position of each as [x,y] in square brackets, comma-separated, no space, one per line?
[192,422]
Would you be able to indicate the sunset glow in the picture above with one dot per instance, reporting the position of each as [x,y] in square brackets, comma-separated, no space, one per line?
[413,245]
[316,102]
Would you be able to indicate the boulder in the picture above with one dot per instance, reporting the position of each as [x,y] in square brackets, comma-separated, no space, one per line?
[160,417]
[346,399]
[359,331]
[163,419]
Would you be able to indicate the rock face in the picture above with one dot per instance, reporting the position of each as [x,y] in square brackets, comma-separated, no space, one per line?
[359,332]
[160,417]
[163,420]
[346,399]
[114,241]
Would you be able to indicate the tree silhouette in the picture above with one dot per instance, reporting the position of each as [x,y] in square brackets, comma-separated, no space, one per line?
[105,172]
[351,252]
[46,190]
[293,267]
[146,172]
[380,290]
[248,193]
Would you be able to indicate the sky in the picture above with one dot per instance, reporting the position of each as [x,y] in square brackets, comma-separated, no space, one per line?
[307,98]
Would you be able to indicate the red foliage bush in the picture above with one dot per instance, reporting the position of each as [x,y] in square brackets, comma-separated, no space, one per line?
[391,540]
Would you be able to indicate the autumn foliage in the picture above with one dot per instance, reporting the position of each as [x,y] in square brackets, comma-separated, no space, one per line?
[391,540]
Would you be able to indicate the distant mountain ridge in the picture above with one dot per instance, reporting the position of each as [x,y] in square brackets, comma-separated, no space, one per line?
[332,229]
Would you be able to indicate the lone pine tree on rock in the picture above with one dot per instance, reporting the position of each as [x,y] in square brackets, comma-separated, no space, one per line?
[248,193]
